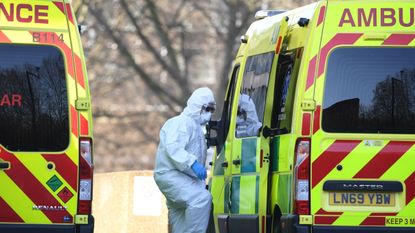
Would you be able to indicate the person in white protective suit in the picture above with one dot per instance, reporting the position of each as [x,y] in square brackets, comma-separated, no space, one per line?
[180,172]
[247,123]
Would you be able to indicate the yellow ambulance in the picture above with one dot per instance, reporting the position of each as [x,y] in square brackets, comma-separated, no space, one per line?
[317,132]
[45,120]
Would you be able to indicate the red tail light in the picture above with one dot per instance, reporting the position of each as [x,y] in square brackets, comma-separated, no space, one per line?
[85,176]
[302,177]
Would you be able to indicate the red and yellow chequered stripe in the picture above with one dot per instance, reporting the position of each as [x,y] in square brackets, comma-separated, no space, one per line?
[79,66]
[390,162]
[27,179]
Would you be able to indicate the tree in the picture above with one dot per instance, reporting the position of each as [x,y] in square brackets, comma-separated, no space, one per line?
[145,57]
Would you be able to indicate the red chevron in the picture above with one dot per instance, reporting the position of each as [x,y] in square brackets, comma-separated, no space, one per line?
[379,164]
[410,188]
[7,214]
[330,159]
[33,189]
[4,38]
[65,167]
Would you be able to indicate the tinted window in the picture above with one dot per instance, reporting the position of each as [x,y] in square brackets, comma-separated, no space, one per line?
[370,90]
[34,105]
[287,73]
[253,93]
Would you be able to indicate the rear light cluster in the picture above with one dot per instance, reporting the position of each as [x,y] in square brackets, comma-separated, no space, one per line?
[85,176]
[302,177]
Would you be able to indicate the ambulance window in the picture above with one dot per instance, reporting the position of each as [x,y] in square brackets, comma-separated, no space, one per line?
[370,90]
[286,79]
[253,94]
[229,99]
[34,104]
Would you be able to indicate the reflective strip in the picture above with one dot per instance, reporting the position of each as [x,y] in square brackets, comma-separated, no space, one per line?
[325,220]
[256,194]
[217,191]
[245,189]
[306,124]
[22,207]
[399,39]
[284,193]
[384,160]
[29,184]
[321,15]
[65,167]
[317,116]
[226,200]
[74,120]
[311,72]
[61,7]
[275,153]
[4,38]
[373,221]
[7,214]
[410,188]
[36,165]
[338,39]
[84,125]
[331,158]
[249,147]
[79,71]
[235,194]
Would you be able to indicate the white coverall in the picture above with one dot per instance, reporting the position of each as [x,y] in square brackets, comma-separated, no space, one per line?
[250,125]
[182,142]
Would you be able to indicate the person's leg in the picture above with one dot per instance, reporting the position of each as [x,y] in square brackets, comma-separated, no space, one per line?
[189,194]
[198,209]
[176,219]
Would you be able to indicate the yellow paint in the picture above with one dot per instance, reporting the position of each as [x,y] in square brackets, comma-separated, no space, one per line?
[81,219]
[306,219]
[400,221]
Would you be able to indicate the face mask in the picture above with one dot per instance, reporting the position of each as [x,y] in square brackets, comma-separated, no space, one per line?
[205,117]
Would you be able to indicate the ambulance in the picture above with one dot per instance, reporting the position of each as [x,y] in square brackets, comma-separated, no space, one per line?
[45,120]
[317,133]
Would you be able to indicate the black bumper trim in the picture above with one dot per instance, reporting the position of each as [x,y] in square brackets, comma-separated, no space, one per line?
[329,229]
[55,228]
[290,224]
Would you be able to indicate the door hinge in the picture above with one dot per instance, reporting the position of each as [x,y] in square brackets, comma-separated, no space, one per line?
[82,104]
[308,105]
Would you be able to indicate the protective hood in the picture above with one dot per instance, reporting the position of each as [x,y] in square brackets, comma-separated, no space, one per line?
[246,103]
[200,97]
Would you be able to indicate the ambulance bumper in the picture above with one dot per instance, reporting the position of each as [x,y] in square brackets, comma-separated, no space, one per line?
[336,229]
[32,228]
[290,224]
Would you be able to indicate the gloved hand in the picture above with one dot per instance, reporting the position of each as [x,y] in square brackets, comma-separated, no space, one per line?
[199,170]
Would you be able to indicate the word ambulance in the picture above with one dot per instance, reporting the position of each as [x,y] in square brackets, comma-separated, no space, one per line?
[383,17]
[24,13]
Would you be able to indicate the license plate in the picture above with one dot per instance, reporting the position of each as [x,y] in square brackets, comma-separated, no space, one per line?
[361,199]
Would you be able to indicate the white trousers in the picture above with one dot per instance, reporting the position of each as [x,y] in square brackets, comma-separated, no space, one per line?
[188,201]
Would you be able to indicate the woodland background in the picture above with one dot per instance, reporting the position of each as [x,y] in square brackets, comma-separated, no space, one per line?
[144,59]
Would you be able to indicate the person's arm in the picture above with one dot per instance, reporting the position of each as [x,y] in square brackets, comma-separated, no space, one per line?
[176,139]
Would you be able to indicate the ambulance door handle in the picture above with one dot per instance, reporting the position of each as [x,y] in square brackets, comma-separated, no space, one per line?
[225,164]
[236,162]
[4,165]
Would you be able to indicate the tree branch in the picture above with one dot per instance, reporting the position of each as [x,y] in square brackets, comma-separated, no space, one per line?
[162,94]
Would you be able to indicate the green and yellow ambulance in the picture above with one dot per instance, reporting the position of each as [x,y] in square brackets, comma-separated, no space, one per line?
[332,87]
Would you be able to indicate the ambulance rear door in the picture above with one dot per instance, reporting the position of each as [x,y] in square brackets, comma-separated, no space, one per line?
[363,146]
[39,124]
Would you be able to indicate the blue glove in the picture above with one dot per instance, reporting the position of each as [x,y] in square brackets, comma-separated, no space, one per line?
[199,170]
